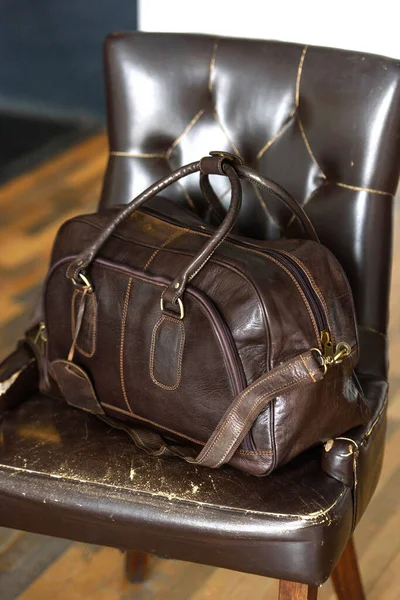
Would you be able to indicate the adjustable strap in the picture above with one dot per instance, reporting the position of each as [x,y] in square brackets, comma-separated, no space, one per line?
[241,414]
[238,419]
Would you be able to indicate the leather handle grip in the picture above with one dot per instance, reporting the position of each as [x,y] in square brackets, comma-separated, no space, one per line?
[269,186]
[279,192]
[175,290]
[221,164]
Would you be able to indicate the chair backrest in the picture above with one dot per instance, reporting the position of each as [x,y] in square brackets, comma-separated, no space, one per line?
[323,123]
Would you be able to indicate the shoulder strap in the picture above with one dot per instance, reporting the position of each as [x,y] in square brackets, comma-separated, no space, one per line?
[238,419]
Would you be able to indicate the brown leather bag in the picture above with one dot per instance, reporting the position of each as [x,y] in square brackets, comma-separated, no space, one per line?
[201,343]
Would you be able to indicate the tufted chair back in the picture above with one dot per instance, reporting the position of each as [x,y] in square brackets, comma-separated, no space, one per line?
[323,123]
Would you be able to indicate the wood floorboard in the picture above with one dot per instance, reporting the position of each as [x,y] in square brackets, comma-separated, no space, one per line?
[32,207]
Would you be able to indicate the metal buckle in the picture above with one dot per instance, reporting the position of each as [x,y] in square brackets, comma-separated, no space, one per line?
[342,350]
[167,312]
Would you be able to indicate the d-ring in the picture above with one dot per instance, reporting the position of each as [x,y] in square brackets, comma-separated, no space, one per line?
[321,357]
[181,309]
[86,282]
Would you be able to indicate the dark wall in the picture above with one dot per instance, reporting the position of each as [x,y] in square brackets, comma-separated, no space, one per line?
[51,51]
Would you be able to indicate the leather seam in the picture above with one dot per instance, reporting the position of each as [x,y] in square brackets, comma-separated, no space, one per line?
[184,132]
[313,284]
[373,330]
[221,262]
[306,303]
[219,123]
[94,324]
[368,434]
[68,271]
[135,154]
[308,147]
[181,435]
[304,203]
[235,410]
[144,446]
[311,373]
[260,154]
[298,76]
[86,377]
[357,188]
[292,112]
[255,406]
[301,127]
[122,343]
[138,417]
[211,68]
[309,519]
[255,452]
[280,131]
[180,354]
[172,238]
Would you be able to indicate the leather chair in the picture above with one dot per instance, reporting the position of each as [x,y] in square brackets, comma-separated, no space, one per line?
[325,124]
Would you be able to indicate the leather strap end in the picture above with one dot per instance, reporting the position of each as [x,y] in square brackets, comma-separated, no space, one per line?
[212,165]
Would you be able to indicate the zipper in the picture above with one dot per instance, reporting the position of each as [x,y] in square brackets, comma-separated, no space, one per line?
[330,354]
[298,273]
[313,299]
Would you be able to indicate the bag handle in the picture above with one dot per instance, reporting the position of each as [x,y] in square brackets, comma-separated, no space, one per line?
[219,163]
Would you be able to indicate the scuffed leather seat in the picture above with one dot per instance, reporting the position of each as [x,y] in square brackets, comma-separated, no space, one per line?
[325,124]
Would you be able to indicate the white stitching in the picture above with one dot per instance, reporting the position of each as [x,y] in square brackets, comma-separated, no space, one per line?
[243,395]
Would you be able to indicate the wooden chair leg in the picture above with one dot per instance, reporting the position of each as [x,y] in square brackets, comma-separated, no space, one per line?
[346,576]
[290,590]
[136,566]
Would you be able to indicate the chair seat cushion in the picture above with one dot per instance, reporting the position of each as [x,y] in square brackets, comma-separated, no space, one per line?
[65,473]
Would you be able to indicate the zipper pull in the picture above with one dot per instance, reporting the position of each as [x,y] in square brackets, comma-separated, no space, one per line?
[327,346]
[331,355]
[40,334]
[41,338]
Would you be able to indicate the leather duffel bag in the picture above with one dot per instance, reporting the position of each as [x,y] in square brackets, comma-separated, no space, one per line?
[199,342]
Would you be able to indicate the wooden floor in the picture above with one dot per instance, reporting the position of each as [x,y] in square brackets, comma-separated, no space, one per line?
[31,209]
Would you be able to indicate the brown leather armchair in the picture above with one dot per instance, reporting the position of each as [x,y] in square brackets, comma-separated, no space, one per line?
[326,125]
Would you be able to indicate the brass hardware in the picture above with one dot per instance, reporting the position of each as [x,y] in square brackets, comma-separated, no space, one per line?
[342,350]
[86,283]
[331,355]
[327,345]
[176,285]
[321,359]
[40,334]
[181,308]
[329,445]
